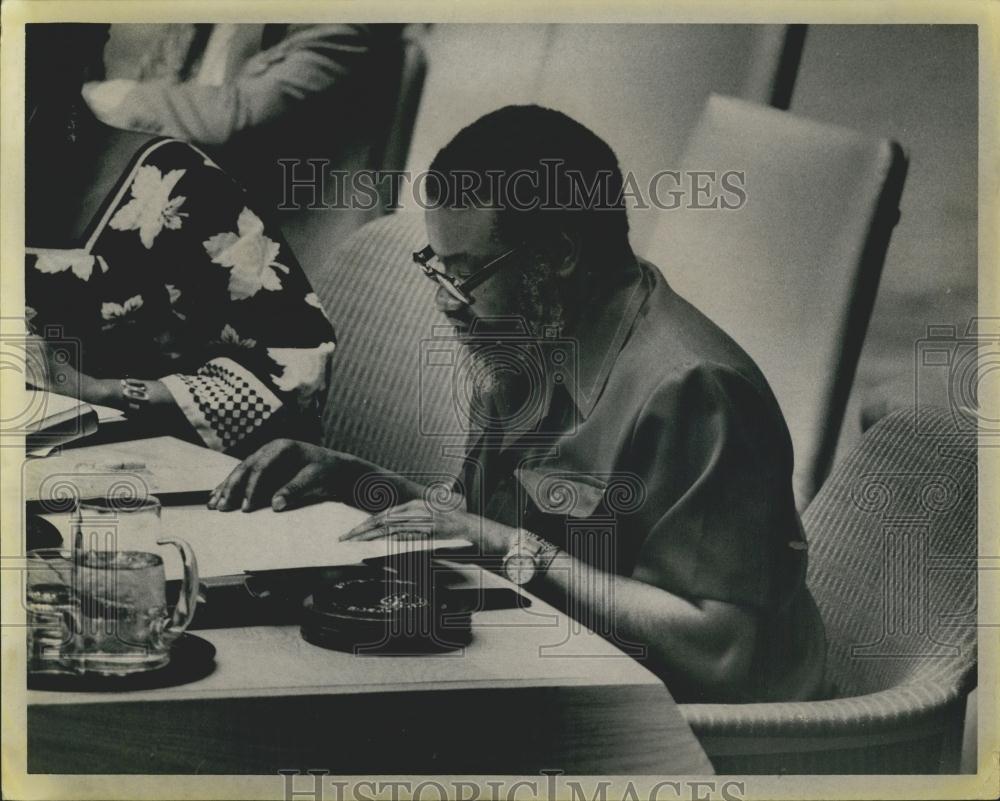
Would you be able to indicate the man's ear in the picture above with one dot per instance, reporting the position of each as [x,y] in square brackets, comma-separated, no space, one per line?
[568,252]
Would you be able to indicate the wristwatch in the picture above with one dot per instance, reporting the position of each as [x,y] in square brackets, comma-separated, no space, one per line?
[529,556]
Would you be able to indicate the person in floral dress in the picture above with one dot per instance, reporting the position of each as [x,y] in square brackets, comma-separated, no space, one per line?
[186,308]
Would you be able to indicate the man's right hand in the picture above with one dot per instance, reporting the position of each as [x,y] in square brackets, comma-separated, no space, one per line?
[284,473]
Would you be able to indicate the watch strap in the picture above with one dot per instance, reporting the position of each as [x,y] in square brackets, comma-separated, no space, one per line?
[545,557]
[542,551]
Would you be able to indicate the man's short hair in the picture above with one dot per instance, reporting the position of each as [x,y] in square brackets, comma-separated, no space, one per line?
[542,170]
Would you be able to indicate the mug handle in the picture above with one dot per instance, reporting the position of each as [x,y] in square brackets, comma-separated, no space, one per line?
[188,600]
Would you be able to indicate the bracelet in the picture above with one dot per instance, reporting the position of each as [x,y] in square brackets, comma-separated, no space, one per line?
[135,394]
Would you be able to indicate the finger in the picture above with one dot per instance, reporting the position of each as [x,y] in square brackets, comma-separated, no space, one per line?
[213,497]
[403,532]
[216,493]
[233,483]
[306,485]
[261,483]
[374,533]
[374,522]
[409,516]
[233,489]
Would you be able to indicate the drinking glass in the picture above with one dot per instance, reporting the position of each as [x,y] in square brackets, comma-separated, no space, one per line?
[100,607]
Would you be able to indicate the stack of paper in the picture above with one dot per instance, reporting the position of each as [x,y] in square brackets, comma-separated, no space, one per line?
[56,419]
[147,466]
[59,419]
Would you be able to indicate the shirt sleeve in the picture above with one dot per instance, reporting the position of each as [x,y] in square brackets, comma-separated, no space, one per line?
[224,402]
[230,405]
[716,458]
[183,282]
[309,61]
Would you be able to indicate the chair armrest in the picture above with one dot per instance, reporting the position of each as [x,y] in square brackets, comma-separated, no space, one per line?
[882,712]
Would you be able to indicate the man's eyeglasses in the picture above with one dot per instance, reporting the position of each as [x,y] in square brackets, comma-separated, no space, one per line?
[460,288]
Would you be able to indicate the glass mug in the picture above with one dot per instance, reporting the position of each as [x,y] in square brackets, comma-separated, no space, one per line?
[123,523]
[104,610]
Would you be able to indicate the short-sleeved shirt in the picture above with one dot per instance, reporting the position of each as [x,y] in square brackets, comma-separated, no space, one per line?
[654,448]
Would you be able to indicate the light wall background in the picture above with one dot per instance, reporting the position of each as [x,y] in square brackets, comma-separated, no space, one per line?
[638,87]
[916,84]
[641,88]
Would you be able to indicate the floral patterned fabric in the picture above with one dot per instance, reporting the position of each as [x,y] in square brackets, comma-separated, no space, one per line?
[182,281]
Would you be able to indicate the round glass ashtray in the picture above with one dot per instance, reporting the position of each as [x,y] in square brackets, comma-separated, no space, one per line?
[385,616]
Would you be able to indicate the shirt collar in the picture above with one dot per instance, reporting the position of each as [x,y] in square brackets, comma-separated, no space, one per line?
[600,334]
[580,361]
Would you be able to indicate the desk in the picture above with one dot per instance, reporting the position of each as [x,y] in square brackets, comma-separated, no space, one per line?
[527,694]
[532,691]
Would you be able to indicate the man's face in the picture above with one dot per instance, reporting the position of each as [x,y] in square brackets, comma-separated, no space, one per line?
[522,293]
[465,240]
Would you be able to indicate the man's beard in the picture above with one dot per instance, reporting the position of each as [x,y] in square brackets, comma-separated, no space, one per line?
[506,368]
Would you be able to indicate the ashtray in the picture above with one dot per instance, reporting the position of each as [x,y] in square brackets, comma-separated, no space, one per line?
[386,615]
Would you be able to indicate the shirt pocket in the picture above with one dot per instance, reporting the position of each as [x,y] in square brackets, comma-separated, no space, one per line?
[559,492]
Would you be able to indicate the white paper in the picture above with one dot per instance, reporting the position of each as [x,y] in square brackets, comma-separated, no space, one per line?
[157,464]
[107,414]
[51,406]
[230,543]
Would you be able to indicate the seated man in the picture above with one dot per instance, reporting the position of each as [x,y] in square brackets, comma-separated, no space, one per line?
[644,482]
[209,83]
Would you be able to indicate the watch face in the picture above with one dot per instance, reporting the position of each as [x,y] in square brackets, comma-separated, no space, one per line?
[520,568]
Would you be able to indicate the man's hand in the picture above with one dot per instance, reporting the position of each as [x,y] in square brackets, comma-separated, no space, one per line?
[419,519]
[284,473]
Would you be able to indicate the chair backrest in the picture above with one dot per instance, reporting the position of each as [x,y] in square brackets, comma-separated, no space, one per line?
[893,557]
[380,143]
[791,275]
[383,404]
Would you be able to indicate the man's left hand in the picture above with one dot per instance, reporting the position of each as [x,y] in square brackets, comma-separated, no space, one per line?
[417,520]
